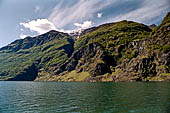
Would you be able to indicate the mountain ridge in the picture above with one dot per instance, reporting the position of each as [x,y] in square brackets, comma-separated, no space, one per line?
[120,51]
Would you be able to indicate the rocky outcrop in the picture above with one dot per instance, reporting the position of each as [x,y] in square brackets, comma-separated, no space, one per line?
[86,59]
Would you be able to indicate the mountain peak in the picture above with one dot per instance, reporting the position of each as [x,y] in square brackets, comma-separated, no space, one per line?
[168,15]
[29,42]
[167,18]
[152,26]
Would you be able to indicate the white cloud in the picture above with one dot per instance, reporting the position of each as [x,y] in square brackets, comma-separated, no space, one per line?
[74,15]
[37,8]
[84,25]
[40,25]
[99,15]
[64,13]
[22,29]
[22,36]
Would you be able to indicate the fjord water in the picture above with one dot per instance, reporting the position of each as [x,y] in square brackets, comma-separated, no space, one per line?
[77,97]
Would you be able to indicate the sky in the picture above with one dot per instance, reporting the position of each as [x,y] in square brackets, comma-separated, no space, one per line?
[22,18]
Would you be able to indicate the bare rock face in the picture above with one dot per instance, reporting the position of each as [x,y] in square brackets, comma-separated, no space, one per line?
[86,59]
[100,69]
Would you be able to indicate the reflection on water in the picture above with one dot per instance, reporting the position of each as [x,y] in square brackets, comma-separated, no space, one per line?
[51,97]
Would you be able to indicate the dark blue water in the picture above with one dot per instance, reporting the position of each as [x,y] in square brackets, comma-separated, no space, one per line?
[53,97]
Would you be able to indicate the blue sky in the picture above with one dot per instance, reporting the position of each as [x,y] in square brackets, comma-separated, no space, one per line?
[21,18]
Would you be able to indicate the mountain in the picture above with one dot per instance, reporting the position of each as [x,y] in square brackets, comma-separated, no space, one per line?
[22,59]
[121,51]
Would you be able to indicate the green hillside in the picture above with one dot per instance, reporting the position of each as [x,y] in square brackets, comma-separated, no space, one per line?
[22,59]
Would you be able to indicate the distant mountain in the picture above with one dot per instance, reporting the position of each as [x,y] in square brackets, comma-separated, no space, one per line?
[121,51]
[152,26]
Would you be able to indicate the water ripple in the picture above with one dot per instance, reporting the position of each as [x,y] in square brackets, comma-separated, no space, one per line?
[52,97]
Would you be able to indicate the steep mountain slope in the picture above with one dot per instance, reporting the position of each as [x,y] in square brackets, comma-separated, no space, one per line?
[22,59]
[121,51]
[100,51]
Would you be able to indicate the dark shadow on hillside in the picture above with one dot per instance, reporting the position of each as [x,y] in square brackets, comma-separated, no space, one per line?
[29,74]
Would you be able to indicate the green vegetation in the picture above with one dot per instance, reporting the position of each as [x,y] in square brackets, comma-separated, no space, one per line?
[160,37]
[166,48]
[43,56]
[111,35]
[71,76]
